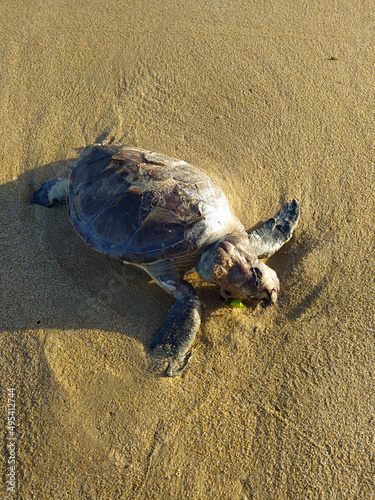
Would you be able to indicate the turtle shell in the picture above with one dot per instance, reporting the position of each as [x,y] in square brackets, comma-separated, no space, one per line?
[141,206]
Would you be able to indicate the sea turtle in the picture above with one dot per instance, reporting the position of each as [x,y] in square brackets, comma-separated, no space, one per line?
[168,218]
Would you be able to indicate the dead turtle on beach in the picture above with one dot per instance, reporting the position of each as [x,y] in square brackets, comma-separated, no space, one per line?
[168,218]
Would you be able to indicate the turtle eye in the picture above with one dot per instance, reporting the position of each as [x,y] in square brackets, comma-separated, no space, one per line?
[258,276]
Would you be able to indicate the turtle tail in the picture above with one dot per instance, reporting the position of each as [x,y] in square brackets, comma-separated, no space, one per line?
[51,193]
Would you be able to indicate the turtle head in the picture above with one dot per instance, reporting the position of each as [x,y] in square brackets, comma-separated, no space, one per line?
[231,264]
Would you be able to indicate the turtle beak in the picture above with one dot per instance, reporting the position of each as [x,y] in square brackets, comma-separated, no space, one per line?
[270,299]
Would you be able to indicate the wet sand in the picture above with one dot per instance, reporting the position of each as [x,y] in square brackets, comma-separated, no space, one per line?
[273,100]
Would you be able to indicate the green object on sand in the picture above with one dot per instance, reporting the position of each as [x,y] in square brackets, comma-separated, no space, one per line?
[233,303]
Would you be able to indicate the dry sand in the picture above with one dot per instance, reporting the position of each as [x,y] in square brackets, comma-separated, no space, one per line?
[272,99]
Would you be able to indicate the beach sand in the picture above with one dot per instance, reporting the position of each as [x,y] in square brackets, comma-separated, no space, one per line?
[273,100]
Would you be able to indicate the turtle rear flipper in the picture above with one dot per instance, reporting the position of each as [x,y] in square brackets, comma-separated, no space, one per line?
[269,238]
[50,193]
[175,337]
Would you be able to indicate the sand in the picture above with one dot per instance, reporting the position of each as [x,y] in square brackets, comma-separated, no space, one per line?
[273,100]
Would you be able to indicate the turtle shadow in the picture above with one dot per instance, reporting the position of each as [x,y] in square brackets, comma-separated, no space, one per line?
[305,303]
[309,290]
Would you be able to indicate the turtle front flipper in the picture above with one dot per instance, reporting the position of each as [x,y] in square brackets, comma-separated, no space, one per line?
[267,240]
[50,193]
[177,334]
